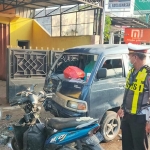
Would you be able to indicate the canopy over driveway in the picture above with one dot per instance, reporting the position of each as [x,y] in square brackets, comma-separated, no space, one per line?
[130,22]
[36,4]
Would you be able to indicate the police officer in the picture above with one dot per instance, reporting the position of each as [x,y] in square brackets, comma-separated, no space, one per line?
[135,111]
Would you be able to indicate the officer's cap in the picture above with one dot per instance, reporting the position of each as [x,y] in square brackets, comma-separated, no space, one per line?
[133,48]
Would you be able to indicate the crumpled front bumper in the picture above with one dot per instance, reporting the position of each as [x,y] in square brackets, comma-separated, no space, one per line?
[59,111]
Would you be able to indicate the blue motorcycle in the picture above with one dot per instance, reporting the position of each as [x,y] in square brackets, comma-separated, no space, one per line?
[57,133]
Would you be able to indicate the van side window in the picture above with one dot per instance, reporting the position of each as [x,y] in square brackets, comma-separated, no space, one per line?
[114,68]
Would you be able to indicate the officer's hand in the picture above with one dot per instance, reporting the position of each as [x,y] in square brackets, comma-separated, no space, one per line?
[120,113]
[147,128]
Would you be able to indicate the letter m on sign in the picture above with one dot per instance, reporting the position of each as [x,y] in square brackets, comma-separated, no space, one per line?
[136,33]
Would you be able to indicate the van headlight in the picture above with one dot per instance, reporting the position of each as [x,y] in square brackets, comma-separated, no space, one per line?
[77,105]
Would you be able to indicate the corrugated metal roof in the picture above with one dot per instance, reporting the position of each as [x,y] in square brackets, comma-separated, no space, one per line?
[129,21]
[35,4]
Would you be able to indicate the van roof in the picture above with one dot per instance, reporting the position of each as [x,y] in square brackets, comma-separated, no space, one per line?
[98,49]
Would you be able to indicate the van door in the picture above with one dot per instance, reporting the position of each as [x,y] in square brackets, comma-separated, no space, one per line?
[108,93]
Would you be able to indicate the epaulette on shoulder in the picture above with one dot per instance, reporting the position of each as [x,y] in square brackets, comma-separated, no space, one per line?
[147,68]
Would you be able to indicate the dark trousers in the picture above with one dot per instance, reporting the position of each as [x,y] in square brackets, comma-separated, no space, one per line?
[133,132]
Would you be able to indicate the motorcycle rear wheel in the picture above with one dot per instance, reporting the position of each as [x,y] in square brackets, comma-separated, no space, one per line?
[14,144]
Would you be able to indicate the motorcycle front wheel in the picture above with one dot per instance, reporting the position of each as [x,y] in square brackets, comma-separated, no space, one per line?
[14,144]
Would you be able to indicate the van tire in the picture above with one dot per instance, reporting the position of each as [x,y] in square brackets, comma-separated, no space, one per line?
[110,125]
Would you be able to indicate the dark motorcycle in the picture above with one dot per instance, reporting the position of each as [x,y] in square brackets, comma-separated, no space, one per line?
[56,133]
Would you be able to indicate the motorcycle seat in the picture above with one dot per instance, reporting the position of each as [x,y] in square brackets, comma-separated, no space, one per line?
[62,123]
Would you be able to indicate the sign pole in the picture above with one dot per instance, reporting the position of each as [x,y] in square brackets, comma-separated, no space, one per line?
[147,18]
[103,25]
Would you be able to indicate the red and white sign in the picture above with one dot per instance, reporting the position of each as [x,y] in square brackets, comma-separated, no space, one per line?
[137,35]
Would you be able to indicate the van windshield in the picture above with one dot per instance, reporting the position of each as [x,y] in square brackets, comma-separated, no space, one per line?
[83,61]
[56,81]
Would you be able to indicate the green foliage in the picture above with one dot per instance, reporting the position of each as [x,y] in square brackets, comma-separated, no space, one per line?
[107,28]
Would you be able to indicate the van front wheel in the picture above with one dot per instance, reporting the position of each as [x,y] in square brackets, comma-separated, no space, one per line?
[110,126]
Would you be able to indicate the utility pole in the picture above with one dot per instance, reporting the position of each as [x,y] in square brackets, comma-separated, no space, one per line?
[120,37]
[102,24]
[111,40]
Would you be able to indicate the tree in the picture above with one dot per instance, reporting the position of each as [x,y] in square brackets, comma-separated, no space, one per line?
[107,28]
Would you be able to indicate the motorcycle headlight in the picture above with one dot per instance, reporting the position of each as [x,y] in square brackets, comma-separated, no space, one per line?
[77,105]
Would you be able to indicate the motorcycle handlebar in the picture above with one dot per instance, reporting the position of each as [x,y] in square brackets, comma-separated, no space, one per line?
[30,96]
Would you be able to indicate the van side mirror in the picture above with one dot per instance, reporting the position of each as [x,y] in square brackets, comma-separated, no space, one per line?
[102,73]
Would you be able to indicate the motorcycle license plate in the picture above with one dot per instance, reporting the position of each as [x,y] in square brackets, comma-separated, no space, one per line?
[95,139]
